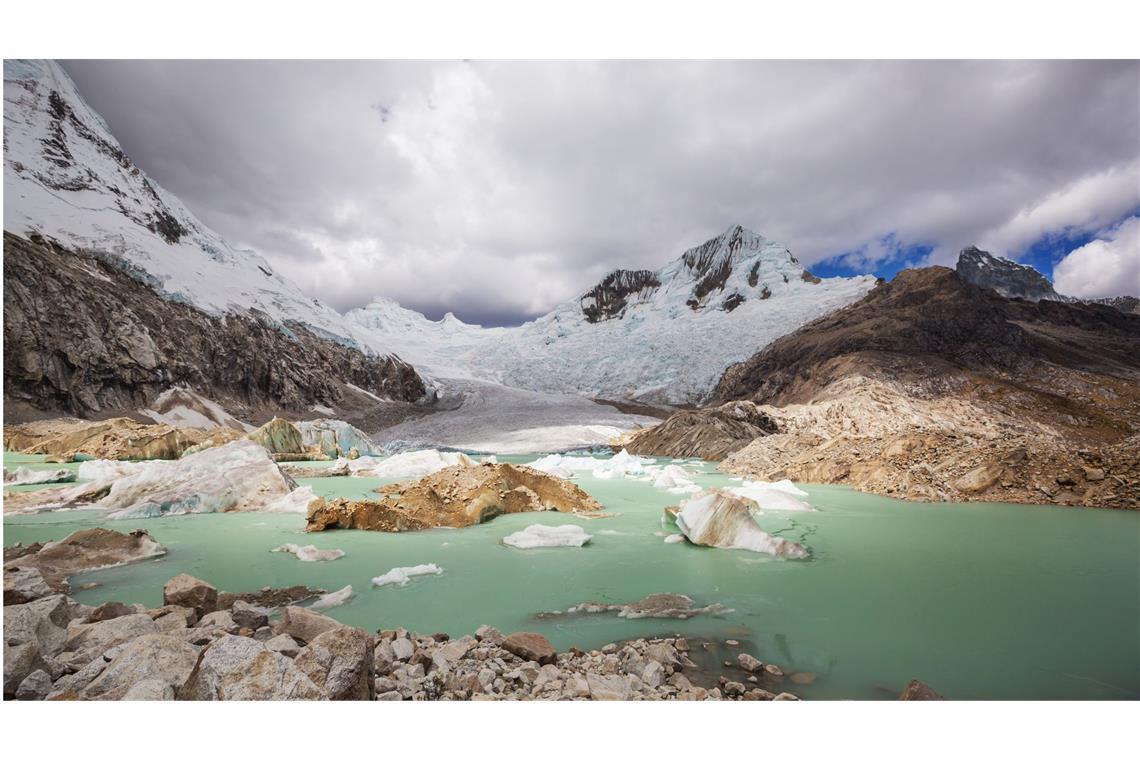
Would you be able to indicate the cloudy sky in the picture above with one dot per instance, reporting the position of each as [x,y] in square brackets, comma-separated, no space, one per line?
[497,189]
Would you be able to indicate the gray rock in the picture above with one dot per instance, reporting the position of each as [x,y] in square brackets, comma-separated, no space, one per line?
[403,649]
[187,591]
[221,619]
[110,611]
[150,690]
[247,615]
[283,644]
[240,668]
[170,622]
[302,624]
[42,622]
[748,662]
[450,653]
[653,674]
[608,688]
[390,696]
[23,585]
[20,661]
[35,687]
[340,662]
[89,640]
[489,634]
[153,657]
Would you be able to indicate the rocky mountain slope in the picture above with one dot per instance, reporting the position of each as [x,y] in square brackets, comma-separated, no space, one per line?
[114,293]
[1013,280]
[932,387]
[660,336]
[82,337]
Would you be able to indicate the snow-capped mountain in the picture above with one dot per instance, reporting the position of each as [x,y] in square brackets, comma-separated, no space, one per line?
[1008,278]
[67,179]
[662,336]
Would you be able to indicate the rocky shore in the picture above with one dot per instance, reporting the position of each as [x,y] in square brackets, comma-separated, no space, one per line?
[203,645]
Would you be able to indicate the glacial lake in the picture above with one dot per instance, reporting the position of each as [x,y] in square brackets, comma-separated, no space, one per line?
[981,601]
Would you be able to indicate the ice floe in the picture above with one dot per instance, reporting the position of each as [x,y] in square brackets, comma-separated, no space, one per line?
[27,476]
[310,553]
[409,464]
[782,495]
[541,536]
[332,599]
[724,520]
[399,576]
[674,538]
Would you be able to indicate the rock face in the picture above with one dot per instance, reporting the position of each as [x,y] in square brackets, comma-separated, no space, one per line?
[711,433]
[82,551]
[84,337]
[933,388]
[339,661]
[609,297]
[720,519]
[152,657]
[1006,277]
[454,497]
[118,438]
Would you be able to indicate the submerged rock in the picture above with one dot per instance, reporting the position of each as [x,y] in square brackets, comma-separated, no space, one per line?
[723,520]
[676,606]
[81,551]
[917,690]
[542,536]
[454,497]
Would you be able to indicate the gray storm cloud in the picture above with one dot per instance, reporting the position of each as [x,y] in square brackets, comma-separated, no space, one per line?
[498,189]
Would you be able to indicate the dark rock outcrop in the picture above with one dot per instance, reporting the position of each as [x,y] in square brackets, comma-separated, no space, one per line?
[84,337]
[711,433]
[1006,277]
[608,298]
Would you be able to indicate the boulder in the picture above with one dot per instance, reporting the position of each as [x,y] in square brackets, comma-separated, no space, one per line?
[109,611]
[240,668]
[221,619]
[454,497]
[917,691]
[86,550]
[302,624]
[187,591]
[89,640]
[20,661]
[530,646]
[35,687]
[283,644]
[42,623]
[247,615]
[150,690]
[608,687]
[340,662]
[403,649]
[749,663]
[23,585]
[164,662]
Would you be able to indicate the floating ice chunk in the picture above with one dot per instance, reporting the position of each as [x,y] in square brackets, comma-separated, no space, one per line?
[721,519]
[27,476]
[239,476]
[675,479]
[296,501]
[621,464]
[310,553]
[674,538]
[539,536]
[332,599]
[561,466]
[780,496]
[409,464]
[401,575]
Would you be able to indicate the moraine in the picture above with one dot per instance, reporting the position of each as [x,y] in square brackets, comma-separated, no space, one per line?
[982,601]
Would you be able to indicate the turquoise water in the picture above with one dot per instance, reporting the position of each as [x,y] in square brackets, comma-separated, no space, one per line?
[982,601]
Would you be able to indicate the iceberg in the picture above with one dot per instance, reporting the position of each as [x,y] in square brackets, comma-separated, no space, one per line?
[400,576]
[541,536]
[310,553]
[724,520]
[781,496]
[335,438]
[675,479]
[296,501]
[27,476]
[410,464]
[622,464]
[332,599]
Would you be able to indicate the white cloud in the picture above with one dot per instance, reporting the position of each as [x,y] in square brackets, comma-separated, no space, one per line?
[1106,267]
[497,189]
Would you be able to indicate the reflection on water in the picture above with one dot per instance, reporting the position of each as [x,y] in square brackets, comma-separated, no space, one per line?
[982,601]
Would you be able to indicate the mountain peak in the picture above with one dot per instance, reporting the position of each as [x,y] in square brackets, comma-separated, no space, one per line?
[1006,277]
